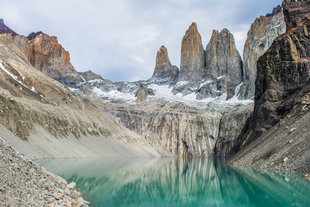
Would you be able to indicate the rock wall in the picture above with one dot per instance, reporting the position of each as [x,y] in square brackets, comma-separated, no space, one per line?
[259,38]
[230,127]
[182,130]
[282,88]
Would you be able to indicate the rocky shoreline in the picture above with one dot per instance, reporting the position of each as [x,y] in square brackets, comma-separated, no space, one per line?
[25,183]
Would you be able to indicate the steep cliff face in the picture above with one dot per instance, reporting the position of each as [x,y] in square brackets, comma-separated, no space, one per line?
[182,130]
[231,125]
[259,38]
[164,72]
[48,56]
[192,55]
[222,57]
[282,91]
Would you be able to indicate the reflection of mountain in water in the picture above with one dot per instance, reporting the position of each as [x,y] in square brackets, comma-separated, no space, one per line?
[166,182]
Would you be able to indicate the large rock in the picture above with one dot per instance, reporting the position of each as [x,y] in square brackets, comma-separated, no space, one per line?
[50,57]
[282,88]
[222,57]
[259,38]
[230,127]
[164,72]
[192,56]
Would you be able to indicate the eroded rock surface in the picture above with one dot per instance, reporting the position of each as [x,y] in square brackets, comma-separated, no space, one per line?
[48,56]
[259,38]
[281,95]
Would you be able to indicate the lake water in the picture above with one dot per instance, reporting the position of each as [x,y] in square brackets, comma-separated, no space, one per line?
[179,183]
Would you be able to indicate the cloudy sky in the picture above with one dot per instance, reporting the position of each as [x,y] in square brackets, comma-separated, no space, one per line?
[118,39]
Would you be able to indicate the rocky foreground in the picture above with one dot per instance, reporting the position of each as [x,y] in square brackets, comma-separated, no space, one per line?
[24,183]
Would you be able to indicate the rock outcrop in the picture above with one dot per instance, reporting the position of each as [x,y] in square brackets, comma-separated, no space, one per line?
[282,91]
[164,72]
[192,56]
[259,38]
[48,56]
[222,57]
[90,75]
[5,29]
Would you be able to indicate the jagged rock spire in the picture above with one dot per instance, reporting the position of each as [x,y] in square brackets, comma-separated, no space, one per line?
[222,57]
[192,55]
[163,68]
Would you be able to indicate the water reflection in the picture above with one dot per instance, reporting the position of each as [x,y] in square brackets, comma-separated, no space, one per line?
[178,182]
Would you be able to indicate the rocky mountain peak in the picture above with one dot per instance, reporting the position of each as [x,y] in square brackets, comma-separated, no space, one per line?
[164,71]
[5,29]
[276,10]
[222,57]
[162,57]
[33,35]
[192,55]
[50,57]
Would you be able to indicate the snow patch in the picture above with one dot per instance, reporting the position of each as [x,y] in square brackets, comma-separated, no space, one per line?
[10,74]
[114,94]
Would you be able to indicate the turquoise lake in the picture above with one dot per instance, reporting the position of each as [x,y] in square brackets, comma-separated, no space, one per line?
[179,183]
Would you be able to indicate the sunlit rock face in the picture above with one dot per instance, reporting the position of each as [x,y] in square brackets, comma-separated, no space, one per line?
[164,72]
[259,38]
[50,57]
[192,55]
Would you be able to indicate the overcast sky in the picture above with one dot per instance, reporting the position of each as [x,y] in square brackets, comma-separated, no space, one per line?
[118,39]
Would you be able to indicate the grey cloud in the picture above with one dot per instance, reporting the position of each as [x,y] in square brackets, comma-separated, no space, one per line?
[119,39]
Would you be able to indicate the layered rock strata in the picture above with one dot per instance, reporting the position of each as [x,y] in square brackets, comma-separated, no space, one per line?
[182,130]
[282,91]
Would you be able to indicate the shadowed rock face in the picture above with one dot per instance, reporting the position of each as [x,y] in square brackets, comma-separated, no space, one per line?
[164,71]
[296,12]
[282,90]
[259,38]
[222,57]
[5,29]
[192,55]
